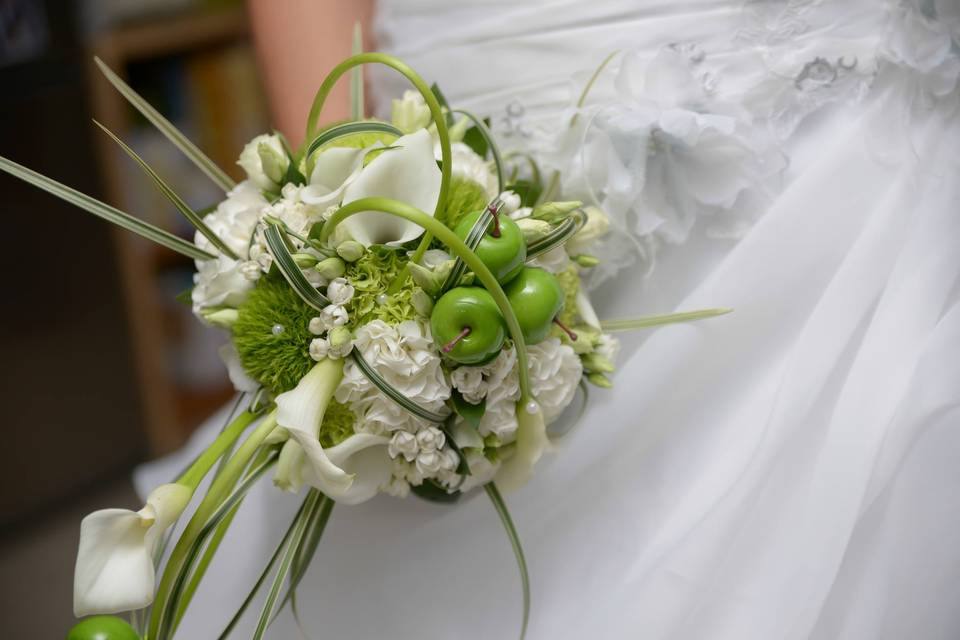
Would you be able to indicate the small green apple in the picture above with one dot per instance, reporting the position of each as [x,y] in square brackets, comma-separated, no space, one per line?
[537,298]
[102,628]
[466,322]
[502,247]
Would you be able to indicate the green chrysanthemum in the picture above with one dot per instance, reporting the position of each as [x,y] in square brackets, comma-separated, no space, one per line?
[371,277]
[337,424]
[464,196]
[272,335]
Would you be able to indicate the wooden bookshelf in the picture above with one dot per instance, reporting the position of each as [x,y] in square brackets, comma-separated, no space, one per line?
[172,407]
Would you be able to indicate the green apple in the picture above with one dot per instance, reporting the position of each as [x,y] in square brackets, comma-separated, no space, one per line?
[466,322]
[103,628]
[537,298]
[502,247]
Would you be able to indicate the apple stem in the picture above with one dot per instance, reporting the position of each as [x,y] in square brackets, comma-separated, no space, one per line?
[566,329]
[496,220]
[447,348]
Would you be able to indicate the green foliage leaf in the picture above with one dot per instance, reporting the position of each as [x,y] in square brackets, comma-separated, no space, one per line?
[528,191]
[279,249]
[475,139]
[205,164]
[105,211]
[433,492]
[628,324]
[472,413]
[491,144]
[345,129]
[185,297]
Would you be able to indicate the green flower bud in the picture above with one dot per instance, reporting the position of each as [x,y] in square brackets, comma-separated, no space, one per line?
[585,260]
[599,380]
[410,112]
[595,362]
[459,129]
[533,229]
[339,337]
[555,211]
[331,268]
[422,302]
[351,250]
[223,318]
[304,260]
[273,162]
[430,280]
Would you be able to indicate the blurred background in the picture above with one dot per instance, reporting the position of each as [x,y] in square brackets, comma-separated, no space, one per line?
[104,367]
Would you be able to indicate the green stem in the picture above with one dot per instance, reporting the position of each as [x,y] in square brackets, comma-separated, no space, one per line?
[457,246]
[217,493]
[198,470]
[628,324]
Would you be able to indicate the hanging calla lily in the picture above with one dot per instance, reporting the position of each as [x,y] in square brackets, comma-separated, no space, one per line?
[531,442]
[115,569]
[344,472]
[407,172]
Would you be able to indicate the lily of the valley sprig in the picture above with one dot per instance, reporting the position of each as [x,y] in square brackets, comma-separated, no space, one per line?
[404,314]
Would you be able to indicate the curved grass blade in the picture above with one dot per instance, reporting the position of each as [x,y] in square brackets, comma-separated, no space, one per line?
[472,241]
[105,211]
[391,392]
[349,128]
[558,235]
[175,607]
[172,196]
[291,544]
[504,514]
[163,125]
[357,107]
[491,144]
[628,324]
[316,524]
[277,244]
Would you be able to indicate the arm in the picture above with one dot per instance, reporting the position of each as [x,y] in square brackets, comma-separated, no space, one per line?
[297,43]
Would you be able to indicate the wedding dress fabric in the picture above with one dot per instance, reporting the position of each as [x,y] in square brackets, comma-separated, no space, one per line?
[785,471]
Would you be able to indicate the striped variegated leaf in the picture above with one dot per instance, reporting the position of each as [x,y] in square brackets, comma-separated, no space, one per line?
[391,392]
[105,211]
[277,245]
[163,125]
[491,144]
[348,129]
[511,530]
[472,241]
[172,196]
[557,236]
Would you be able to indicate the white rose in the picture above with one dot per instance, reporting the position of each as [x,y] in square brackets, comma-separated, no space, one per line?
[265,161]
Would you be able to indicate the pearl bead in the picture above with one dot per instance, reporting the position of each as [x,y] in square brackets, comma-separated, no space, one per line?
[532,407]
[277,329]
[382,299]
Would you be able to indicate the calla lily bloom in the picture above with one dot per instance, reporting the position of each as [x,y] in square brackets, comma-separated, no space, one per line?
[115,569]
[350,472]
[406,172]
[531,442]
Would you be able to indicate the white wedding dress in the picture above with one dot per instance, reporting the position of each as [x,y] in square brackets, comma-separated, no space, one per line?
[787,471]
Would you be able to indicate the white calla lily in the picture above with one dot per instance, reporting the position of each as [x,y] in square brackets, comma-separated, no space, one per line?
[333,170]
[406,172]
[531,442]
[114,570]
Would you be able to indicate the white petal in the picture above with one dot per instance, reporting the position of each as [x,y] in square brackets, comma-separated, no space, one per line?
[531,443]
[238,375]
[300,411]
[335,168]
[409,174]
[585,309]
[114,570]
[365,457]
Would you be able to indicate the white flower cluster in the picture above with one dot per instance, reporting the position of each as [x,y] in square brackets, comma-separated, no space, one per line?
[405,356]
[338,342]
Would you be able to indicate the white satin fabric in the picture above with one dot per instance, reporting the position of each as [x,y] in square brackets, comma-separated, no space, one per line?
[786,471]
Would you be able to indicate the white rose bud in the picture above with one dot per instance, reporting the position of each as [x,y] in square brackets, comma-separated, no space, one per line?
[410,113]
[319,348]
[403,443]
[339,291]
[265,161]
[333,315]
[511,202]
[430,439]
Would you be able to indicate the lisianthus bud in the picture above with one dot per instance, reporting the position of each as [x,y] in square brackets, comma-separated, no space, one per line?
[422,302]
[430,280]
[595,228]
[533,229]
[410,112]
[331,268]
[599,380]
[555,211]
[341,342]
[265,161]
[304,260]
[586,260]
[350,250]
[223,318]
[596,362]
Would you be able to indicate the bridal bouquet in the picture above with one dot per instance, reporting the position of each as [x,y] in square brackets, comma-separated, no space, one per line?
[405,315]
